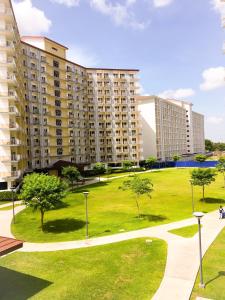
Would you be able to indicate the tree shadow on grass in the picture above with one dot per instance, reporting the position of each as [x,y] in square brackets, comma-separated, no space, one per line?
[88,188]
[213,200]
[63,225]
[152,218]
[220,274]
[20,286]
[60,205]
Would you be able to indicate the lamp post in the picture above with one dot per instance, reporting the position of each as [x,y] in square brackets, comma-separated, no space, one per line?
[13,204]
[192,196]
[199,215]
[86,206]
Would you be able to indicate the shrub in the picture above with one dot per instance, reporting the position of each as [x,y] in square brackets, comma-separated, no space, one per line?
[7,196]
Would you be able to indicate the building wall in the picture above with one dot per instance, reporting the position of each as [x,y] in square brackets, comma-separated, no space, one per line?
[172,127]
[147,110]
[198,133]
[13,149]
[53,109]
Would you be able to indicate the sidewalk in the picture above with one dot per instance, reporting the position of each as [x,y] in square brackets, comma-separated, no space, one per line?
[182,257]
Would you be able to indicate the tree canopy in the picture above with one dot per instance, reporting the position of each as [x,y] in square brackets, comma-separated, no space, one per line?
[203,177]
[139,186]
[42,192]
[71,173]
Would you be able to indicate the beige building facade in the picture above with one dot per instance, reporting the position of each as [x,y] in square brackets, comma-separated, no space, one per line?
[52,109]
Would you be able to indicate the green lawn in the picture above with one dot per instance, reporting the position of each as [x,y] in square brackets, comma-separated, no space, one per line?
[214,271]
[112,210]
[9,207]
[4,202]
[128,270]
[187,231]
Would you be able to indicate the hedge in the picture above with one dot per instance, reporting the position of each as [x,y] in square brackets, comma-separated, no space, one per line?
[8,195]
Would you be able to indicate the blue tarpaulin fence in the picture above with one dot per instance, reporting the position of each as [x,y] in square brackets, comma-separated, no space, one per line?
[195,164]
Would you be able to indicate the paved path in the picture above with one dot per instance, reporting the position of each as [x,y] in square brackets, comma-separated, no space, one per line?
[183,256]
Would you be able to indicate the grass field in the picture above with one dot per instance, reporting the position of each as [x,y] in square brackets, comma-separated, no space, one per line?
[214,271]
[9,207]
[128,270]
[112,210]
[187,231]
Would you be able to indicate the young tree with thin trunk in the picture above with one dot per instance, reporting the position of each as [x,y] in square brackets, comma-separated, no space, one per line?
[221,167]
[203,178]
[99,168]
[200,158]
[127,165]
[71,174]
[42,192]
[140,187]
[176,158]
[151,161]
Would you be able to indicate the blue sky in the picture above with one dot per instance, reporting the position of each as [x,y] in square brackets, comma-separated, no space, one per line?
[176,44]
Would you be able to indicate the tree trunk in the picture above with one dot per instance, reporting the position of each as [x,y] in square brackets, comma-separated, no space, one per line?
[42,220]
[203,193]
[138,207]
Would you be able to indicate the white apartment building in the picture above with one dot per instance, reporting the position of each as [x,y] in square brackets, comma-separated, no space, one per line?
[170,127]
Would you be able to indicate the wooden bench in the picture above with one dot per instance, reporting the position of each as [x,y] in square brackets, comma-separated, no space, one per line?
[8,245]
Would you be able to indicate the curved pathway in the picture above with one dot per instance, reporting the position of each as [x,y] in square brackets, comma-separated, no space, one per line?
[182,257]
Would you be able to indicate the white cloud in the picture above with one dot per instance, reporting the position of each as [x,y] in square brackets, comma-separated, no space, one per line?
[214,78]
[162,3]
[215,120]
[30,19]
[68,3]
[119,13]
[177,94]
[82,56]
[219,6]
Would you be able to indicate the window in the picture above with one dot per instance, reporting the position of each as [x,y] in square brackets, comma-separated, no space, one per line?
[59,151]
[58,131]
[55,64]
[58,123]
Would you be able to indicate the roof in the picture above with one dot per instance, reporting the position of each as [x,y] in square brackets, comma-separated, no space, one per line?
[41,38]
[69,61]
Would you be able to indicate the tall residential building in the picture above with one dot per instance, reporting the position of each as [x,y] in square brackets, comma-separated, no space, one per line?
[170,127]
[53,109]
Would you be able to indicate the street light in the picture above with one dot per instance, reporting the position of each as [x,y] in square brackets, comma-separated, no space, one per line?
[192,195]
[13,202]
[199,215]
[86,205]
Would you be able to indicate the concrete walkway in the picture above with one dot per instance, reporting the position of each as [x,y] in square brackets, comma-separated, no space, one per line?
[182,260]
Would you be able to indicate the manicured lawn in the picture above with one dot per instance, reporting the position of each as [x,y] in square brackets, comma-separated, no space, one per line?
[214,271]
[128,270]
[9,207]
[187,231]
[112,210]
[4,202]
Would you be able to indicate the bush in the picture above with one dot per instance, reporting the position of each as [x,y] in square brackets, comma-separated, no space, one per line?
[7,196]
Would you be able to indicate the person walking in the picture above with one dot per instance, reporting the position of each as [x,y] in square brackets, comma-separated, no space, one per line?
[221,212]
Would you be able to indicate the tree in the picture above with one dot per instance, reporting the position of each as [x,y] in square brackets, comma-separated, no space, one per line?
[203,177]
[221,167]
[71,173]
[127,165]
[139,186]
[151,161]
[99,168]
[42,192]
[200,158]
[108,171]
[176,158]
[209,145]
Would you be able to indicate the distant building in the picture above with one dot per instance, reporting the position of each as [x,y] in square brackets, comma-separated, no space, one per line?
[170,127]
